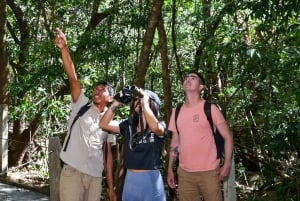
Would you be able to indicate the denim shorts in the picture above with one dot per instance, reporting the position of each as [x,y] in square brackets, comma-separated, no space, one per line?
[144,186]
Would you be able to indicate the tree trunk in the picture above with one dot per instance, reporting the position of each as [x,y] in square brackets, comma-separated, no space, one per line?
[3,92]
[54,167]
[144,58]
[229,190]
[20,140]
[163,47]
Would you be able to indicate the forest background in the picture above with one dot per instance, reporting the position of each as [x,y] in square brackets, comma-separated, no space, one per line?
[248,51]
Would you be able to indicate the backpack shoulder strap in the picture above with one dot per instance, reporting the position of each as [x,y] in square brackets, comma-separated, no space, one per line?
[207,110]
[219,141]
[177,109]
[81,111]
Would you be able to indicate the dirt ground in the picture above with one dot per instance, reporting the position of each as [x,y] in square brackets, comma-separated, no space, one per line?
[28,179]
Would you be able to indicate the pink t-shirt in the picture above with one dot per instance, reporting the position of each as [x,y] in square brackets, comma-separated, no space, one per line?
[197,149]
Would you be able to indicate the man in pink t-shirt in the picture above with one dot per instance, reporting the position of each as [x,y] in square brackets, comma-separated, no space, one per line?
[194,146]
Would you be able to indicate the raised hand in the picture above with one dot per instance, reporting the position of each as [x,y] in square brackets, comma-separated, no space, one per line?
[60,39]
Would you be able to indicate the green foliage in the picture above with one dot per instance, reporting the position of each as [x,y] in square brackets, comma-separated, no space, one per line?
[248,52]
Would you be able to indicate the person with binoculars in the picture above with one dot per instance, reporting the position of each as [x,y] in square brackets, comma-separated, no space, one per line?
[144,138]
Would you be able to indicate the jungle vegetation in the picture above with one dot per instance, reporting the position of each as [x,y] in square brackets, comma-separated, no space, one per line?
[248,52]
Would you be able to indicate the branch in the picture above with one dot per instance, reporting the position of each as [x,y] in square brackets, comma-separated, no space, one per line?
[212,27]
[269,162]
[98,17]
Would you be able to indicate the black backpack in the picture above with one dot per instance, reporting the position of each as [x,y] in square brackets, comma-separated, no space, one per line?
[217,136]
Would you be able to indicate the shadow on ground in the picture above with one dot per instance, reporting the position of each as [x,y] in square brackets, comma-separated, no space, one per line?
[10,192]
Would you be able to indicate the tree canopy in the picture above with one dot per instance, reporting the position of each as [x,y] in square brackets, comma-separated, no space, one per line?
[248,52]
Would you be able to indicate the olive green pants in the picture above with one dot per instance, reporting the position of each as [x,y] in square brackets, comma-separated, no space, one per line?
[77,186]
[192,184]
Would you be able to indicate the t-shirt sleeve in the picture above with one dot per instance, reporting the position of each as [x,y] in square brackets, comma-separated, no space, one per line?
[123,126]
[111,138]
[165,129]
[217,115]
